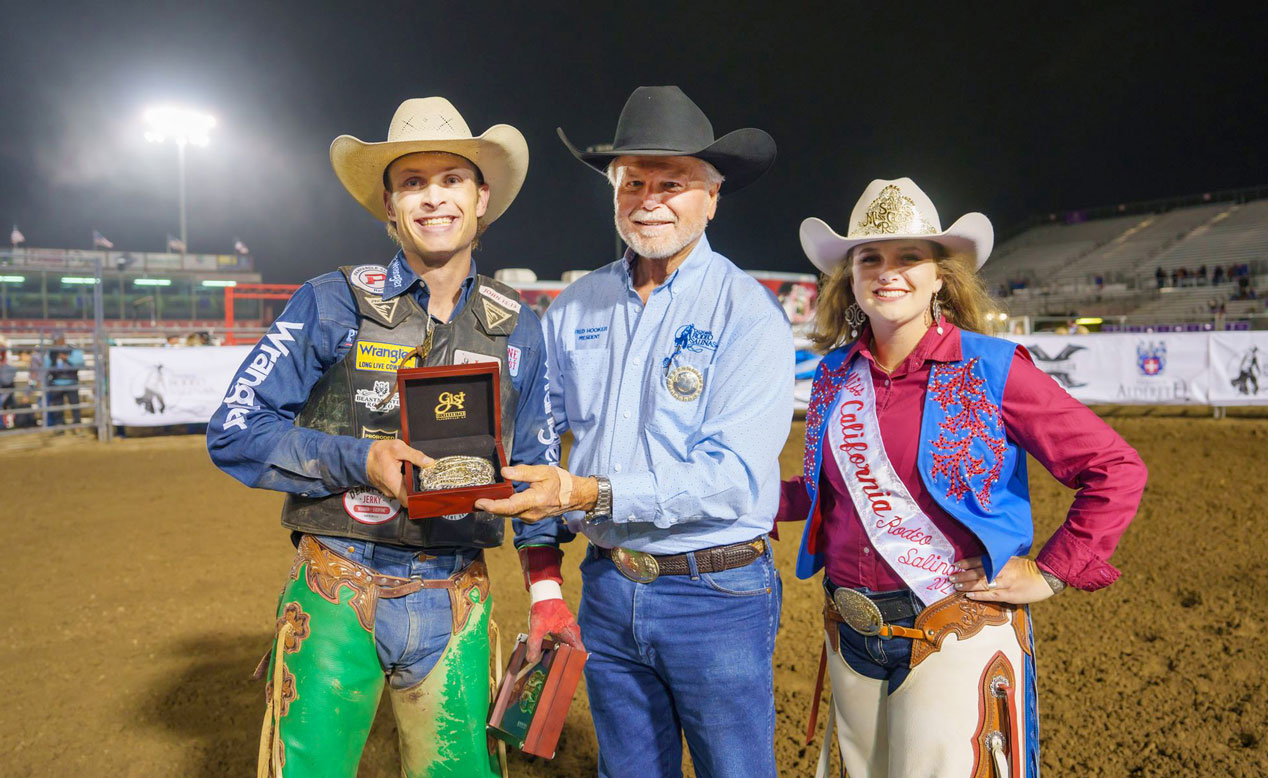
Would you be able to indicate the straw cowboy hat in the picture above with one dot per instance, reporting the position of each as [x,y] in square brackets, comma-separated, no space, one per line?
[432,124]
[895,210]
[661,121]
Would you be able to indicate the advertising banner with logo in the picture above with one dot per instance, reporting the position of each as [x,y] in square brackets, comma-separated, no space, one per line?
[1239,368]
[151,387]
[1133,368]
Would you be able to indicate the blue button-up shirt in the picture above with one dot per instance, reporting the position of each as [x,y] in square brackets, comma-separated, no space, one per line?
[252,436]
[687,471]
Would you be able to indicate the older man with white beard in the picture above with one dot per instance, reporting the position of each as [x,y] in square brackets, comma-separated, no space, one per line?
[674,371]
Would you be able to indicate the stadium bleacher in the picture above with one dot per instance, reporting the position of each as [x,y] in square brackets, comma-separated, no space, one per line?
[1109,266]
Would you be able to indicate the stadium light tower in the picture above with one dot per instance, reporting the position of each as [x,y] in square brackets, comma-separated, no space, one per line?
[185,128]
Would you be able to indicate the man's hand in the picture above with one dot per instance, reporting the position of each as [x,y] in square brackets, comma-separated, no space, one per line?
[551,617]
[384,466]
[551,491]
[1019,582]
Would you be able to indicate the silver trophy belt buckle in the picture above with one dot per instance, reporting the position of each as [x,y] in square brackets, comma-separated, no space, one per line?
[638,566]
[858,612]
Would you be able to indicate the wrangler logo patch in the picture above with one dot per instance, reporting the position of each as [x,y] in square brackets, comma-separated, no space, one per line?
[384,357]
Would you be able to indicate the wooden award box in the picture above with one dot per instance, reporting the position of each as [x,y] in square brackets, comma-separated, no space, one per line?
[532,702]
[447,411]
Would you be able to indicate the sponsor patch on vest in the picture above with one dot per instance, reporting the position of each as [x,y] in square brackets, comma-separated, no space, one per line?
[450,406]
[374,434]
[369,277]
[383,357]
[499,298]
[494,314]
[385,308]
[369,506]
[370,398]
[462,357]
[513,360]
[349,338]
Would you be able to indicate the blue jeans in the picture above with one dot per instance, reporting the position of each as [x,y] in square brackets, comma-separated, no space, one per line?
[880,658]
[410,632]
[685,654]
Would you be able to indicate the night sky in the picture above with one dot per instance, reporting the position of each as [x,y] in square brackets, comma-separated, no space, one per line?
[1012,109]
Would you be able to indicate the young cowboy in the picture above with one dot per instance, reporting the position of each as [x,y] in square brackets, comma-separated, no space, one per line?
[374,595]
[674,371]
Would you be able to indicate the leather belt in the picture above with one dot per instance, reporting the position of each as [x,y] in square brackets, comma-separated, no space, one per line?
[871,613]
[708,560]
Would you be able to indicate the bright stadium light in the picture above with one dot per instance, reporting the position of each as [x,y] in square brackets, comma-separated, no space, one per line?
[12,279]
[78,280]
[213,282]
[179,125]
[153,281]
[185,128]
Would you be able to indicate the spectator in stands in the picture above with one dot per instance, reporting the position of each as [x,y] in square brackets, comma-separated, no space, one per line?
[1202,275]
[173,341]
[1099,281]
[64,362]
[8,386]
[1160,276]
[1217,277]
[1175,277]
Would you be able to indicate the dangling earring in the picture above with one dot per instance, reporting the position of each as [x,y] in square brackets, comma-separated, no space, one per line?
[854,317]
[936,310]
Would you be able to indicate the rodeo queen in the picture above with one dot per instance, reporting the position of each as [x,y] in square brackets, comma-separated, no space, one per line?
[375,598]
[917,501]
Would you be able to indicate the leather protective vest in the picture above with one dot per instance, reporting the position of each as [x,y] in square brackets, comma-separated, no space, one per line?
[344,400]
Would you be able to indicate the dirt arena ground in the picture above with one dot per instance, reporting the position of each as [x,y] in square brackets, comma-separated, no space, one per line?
[143,583]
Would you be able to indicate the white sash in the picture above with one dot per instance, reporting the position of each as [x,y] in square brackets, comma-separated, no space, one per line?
[900,531]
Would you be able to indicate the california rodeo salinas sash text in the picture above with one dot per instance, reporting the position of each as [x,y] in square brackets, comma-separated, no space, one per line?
[899,530]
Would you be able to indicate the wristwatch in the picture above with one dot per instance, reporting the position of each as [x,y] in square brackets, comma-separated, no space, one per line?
[602,509]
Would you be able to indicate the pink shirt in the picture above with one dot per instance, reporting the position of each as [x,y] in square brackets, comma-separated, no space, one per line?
[1074,444]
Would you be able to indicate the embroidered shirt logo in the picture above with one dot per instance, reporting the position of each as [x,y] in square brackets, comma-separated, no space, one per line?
[689,338]
[513,360]
[241,397]
[450,406]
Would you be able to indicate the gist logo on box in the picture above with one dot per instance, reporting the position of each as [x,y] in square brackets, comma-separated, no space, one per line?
[383,357]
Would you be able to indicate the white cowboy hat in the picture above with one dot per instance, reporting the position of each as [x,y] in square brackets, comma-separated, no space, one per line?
[895,210]
[432,124]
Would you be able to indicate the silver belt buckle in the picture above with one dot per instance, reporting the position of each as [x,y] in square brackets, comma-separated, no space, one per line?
[638,566]
[858,612]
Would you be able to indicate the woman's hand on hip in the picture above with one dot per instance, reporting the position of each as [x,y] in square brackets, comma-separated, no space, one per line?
[1019,582]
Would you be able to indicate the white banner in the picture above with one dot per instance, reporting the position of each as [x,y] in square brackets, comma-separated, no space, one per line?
[1239,368]
[1172,368]
[151,387]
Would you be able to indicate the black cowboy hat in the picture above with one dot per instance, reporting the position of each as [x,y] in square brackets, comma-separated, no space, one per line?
[661,121]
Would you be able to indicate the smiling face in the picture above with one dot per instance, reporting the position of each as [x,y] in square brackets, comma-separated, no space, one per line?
[663,204]
[435,200]
[894,281]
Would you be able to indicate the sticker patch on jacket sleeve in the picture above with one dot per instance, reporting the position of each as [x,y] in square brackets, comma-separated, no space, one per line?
[461,357]
[513,360]
[383,357]
[369,277]
[499,298]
